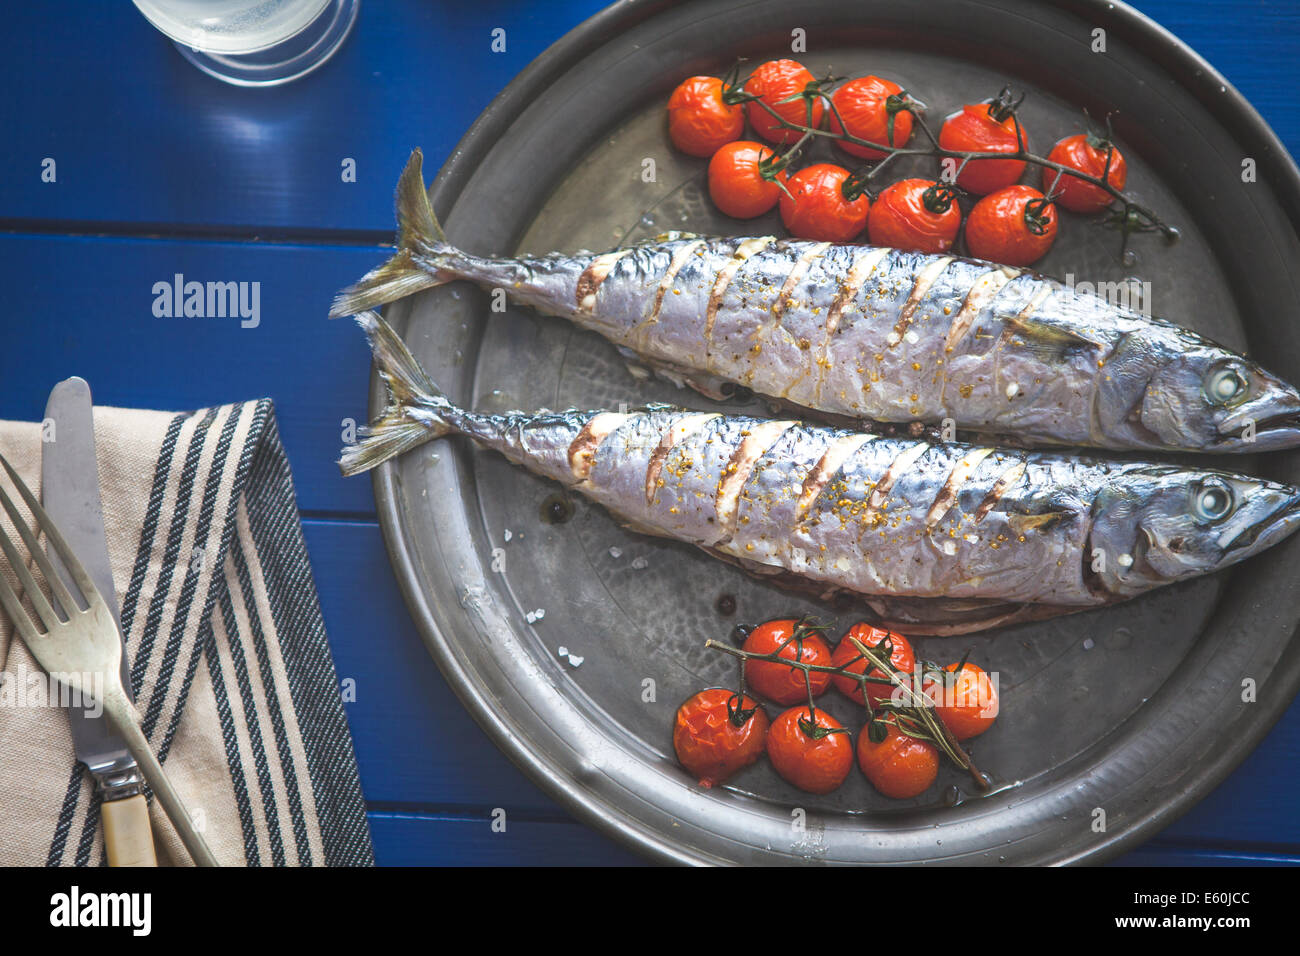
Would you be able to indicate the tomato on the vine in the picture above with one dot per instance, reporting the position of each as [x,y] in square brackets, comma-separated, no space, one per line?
[917,215]
[966,700]
[774,82]
[815,755]
[898,765]
[1013,226]
[901,655]
[717,733]
[986,128]
[795,641]
[1087,154]
[815,206]
[700,121]
[866,106]
[736,181]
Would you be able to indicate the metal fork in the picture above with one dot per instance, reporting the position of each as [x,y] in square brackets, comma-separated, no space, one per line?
[84,647]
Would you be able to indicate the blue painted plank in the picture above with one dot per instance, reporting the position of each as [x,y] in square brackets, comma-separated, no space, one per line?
[84,306]
[1157,853]
[140,136]
[416,745]
[1251,42]
[413,840]
[163,143]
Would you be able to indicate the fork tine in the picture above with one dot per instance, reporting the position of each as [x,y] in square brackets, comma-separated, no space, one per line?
[29,584]
[65,553]
[57,587]
[17,613]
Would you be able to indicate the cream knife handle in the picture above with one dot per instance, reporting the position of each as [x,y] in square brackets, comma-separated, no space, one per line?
[128,838]
[127,721]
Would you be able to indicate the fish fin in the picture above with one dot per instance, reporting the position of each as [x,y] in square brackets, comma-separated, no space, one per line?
[1024,524]
[418,232]
[943,617]
[1051,334]
[415,408]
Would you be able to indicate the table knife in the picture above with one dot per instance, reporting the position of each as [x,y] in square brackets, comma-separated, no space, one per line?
[70,493]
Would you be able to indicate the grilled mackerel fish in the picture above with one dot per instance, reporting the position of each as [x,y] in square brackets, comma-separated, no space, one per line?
[935,538]
[876,335]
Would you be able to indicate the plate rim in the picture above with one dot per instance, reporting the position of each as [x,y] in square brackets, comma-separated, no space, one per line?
[1177,60]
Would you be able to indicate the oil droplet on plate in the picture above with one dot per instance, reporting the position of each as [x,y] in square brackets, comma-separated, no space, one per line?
[556,509]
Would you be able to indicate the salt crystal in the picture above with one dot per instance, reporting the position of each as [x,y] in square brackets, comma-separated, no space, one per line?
[562,651]
[507,535]
[575,660]
[616,553]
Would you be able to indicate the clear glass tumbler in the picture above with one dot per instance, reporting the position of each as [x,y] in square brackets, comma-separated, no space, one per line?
[254,42]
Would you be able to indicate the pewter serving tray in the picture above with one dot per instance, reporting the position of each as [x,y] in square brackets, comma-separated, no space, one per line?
[1136,710]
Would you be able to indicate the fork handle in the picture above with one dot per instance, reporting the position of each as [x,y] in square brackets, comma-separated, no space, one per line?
[127,721]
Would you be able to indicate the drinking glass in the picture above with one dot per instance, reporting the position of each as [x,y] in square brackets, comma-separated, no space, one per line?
[254,42]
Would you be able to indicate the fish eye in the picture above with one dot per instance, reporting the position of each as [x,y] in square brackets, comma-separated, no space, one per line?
[1212,500]
[1225,385]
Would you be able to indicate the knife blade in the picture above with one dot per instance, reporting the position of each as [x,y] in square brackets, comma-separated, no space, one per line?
[70,489]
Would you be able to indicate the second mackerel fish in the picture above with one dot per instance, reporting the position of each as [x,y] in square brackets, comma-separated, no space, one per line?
[934,538]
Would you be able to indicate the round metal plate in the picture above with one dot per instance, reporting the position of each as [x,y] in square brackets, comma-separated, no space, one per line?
[1136,710]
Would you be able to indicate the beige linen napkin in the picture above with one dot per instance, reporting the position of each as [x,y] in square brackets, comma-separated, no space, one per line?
[229,660]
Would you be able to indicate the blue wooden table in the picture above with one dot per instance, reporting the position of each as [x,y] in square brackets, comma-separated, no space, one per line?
[159,170]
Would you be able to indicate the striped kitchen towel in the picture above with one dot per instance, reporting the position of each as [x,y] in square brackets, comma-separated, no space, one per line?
[229,661]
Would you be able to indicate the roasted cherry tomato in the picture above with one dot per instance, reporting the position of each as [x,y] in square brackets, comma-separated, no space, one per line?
[1087,154]
[985,128]
[814,755]
[865,106]
[699,121]
[816,208]
[847,656]
[772,82]
[781,682]
[736,181]
[898,766]
[1014,226]
[717,733]
[966,701]
[918,215]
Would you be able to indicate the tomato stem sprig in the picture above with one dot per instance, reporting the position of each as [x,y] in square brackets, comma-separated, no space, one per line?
[914,715]
[1130,217]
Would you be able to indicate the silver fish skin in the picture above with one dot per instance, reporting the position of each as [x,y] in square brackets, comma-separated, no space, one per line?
[878,517]
[878,335]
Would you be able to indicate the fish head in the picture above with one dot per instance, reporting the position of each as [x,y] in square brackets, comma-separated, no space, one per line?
[1175,390]
[1154,525]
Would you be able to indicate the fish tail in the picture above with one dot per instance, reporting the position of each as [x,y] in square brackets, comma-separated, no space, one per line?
[418,231]
[416,407]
